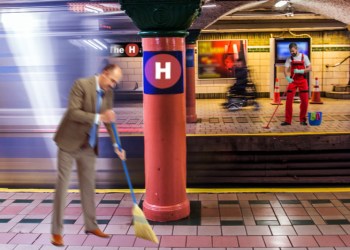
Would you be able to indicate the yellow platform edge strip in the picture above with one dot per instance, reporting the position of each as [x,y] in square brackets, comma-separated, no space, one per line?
[271,134]
[253,134]
[197,190]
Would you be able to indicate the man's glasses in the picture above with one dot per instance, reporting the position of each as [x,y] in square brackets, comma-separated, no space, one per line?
[112,80]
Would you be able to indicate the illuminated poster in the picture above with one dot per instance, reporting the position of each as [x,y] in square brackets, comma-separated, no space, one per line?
[216,59]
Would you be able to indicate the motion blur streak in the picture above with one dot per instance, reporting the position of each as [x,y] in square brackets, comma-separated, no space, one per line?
[32,54]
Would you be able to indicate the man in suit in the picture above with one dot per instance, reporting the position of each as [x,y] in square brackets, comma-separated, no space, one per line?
[90,102]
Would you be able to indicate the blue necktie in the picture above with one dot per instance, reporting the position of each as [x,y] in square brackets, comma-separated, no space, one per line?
[93,130]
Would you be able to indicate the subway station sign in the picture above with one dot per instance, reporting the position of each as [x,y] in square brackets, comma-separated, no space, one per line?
[126,50]
[163,72]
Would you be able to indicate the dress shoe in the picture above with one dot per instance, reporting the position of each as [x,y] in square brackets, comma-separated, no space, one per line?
[98,233]
[57,240]
[303,123]
[285,123]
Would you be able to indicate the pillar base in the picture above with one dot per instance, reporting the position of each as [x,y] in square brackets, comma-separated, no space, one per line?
[191,118]
[166,213]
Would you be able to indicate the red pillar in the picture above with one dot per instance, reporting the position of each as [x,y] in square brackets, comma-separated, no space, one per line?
[164,128]
[191,116]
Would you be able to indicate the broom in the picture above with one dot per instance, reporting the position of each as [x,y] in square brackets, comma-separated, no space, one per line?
[141,226]
[285,92]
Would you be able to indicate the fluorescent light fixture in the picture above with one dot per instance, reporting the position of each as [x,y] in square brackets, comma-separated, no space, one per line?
[94,9]
[211,5]
[91,44]
[281,3]
[100,43]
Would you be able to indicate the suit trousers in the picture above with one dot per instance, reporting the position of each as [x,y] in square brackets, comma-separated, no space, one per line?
[85,160]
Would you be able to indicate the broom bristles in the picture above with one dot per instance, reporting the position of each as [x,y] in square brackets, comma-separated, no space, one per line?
[142,227]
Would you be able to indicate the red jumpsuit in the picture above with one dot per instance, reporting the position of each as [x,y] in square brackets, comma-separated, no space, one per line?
[301,83]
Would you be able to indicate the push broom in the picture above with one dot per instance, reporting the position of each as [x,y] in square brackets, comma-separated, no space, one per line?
[284,94]
[141,226]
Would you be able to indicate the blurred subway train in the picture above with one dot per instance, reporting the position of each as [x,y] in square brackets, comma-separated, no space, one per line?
[44,48]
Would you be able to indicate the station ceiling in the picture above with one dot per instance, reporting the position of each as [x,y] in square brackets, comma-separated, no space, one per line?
[86,18]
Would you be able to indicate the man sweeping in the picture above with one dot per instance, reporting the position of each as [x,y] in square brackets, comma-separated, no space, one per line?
[295,68]
[90,102]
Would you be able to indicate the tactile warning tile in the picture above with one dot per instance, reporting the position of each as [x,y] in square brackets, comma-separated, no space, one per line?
[256,119]
[274,119]
[227,119]
[340,118]
[327,118]
[214,120]
[242,119]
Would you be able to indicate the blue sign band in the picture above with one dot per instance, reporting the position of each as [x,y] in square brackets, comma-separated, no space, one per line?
[149,86]
[189,58]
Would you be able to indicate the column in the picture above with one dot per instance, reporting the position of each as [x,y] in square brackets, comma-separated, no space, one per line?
[191,116]
[163,29]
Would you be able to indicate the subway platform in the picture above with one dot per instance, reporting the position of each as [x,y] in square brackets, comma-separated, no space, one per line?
[213,119]
[221,218]
[224,148]
[274,219]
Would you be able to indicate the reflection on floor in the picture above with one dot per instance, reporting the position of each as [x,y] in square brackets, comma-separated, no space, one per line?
[305,220]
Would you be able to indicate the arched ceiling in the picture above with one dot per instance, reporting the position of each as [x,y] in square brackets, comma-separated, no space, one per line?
[222,8]
[335,9]
[255,16]
[226,16]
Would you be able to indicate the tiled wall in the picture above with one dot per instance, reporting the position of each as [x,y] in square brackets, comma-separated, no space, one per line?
[259,66]
[327,77]
[331,75]
[329,47]
[132,71]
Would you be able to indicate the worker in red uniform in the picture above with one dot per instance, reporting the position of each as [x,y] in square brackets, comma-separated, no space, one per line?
[298,64]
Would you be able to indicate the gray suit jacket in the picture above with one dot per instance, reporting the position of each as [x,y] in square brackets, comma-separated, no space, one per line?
[73,131]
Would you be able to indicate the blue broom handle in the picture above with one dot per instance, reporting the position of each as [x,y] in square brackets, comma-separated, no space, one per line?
[115,132]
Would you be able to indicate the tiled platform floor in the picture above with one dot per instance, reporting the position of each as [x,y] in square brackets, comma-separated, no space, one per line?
[218,221]
[212,118]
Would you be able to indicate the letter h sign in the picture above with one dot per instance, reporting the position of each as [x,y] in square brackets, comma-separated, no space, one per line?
[163,72]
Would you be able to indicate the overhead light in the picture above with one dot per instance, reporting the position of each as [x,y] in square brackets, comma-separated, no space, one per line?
[92,44]
[209,4]
[212,5]
[281,3]
[100,43]
[93,9]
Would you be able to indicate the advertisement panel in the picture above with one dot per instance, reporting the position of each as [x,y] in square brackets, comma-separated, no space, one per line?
[216,59]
